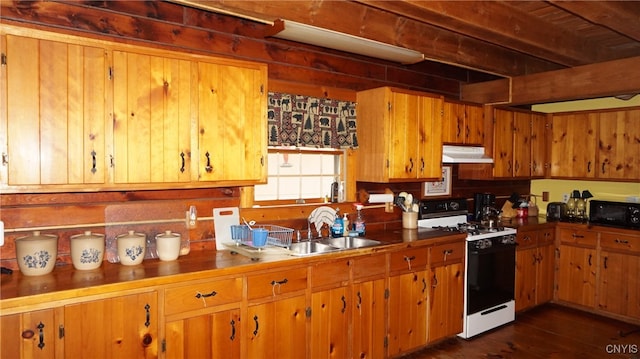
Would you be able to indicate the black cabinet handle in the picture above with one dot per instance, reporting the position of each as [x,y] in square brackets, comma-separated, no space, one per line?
[604,163]
[589,167]
[410,164]
[589,260]
[605,262]
[40,335]
[255,319]
[208,167]
[182,159]
[344,304]
[233,330]
[93,162]
[212,294]
[148,322]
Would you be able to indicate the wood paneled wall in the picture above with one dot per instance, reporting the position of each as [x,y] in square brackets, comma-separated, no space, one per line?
[171,26]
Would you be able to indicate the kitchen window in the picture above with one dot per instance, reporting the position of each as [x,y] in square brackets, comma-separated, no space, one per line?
[300,175]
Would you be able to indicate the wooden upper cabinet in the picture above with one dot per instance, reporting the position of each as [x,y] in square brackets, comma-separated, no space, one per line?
[401,139]
[503,141]
[619,144]
[153,98]
[573,151]
[540,129]
[232,128]
[462,123]
[56,113]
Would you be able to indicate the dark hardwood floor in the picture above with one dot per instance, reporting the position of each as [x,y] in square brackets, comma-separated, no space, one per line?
[549,331]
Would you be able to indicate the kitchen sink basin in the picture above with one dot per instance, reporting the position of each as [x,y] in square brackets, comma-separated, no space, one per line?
[349,242]
[310,248]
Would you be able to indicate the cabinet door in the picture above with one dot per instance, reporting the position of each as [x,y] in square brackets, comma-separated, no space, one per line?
[577,275]
[405,123]
[474,124]
[429,137]
[453,123]
[368,319]
[618,147]
[276,329]
[539,133]
[56,112]
[525,291]
[503,143]
[573,150]
[407,311]
[31,335]
[446,301]
[121,327]
[521,144]
[545,273]
[618,289]
[152,118]
[330,313]
[216,335]
[232,122]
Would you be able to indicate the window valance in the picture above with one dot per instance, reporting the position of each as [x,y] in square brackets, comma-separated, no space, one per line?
[306,121]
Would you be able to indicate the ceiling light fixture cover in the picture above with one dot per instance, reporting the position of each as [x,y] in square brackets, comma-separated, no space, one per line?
[312,35]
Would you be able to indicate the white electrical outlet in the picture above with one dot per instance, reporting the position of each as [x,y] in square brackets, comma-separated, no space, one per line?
[633,199]
[565,197]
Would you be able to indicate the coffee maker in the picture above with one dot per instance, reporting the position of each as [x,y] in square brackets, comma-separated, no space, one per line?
[482,201]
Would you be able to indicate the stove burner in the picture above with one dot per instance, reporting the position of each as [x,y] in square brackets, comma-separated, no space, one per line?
[449,229]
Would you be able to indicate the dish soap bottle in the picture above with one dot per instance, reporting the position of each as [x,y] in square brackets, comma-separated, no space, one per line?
[338,225]
[358,223]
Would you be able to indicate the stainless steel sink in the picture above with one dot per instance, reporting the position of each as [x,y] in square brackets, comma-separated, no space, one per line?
[349,242]
[310,248]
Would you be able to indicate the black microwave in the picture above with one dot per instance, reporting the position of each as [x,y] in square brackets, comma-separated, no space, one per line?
[616,214]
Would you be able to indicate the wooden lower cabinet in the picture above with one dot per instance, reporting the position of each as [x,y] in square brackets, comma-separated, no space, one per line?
[535,266]
[446,297]
[619,280]
[214,335]
[330,314]
[120,327]
[577,266]
[32,334]
[277,329]
[409,282]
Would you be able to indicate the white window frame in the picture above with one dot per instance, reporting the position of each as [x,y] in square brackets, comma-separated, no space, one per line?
[324,187]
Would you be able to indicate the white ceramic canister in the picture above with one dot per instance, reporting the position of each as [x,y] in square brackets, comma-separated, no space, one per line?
[131,247]
[36,254]
[168,246]
[87,250]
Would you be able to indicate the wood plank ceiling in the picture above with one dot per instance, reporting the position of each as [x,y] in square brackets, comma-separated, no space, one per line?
[506,38]
[517,40]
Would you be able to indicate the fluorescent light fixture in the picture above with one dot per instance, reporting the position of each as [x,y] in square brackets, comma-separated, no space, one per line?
[312,35]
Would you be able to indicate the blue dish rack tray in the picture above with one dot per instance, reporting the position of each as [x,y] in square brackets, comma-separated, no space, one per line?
[278,236]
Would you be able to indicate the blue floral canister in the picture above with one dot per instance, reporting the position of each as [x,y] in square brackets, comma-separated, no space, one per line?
[87,250]
[131,248]
[36,254]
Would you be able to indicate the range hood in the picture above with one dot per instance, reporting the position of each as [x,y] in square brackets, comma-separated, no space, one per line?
[464,154]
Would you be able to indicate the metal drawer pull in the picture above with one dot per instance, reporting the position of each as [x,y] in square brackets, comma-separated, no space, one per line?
[577,236]
[275,284]
[200,295]
[621,241]
[41,335]
[408,260]
[447,252]
[148,322]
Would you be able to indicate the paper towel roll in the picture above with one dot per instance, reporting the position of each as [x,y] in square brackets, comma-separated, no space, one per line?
[381,198]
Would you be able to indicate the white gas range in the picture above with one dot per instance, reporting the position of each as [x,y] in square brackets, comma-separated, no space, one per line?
[490,265]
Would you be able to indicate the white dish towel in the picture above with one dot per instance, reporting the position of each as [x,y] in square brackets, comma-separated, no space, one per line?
[322,215]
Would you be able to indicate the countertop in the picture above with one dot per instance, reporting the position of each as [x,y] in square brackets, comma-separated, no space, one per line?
[65,282]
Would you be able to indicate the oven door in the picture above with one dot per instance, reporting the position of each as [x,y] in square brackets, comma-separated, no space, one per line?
[490,276]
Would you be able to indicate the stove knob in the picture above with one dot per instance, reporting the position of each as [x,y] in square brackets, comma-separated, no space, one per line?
[454,206]
[635,216]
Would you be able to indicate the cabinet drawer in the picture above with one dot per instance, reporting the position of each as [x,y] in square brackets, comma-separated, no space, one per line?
[330,273]
[409,260]
[578,236]
[444,254]
[620,242]
[369,266]
[526,239]
[274,283]
[202,295]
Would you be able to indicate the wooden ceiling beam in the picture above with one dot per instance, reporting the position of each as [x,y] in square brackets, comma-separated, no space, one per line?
[369,22]
[495,22]
[620,16]
[611,78]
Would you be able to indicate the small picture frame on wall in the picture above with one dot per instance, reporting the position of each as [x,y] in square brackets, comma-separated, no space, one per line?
[439,188]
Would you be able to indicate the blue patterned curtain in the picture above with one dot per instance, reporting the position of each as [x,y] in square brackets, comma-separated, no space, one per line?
[305,121]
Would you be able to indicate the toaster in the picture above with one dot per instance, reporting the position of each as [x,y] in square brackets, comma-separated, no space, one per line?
[556,211]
